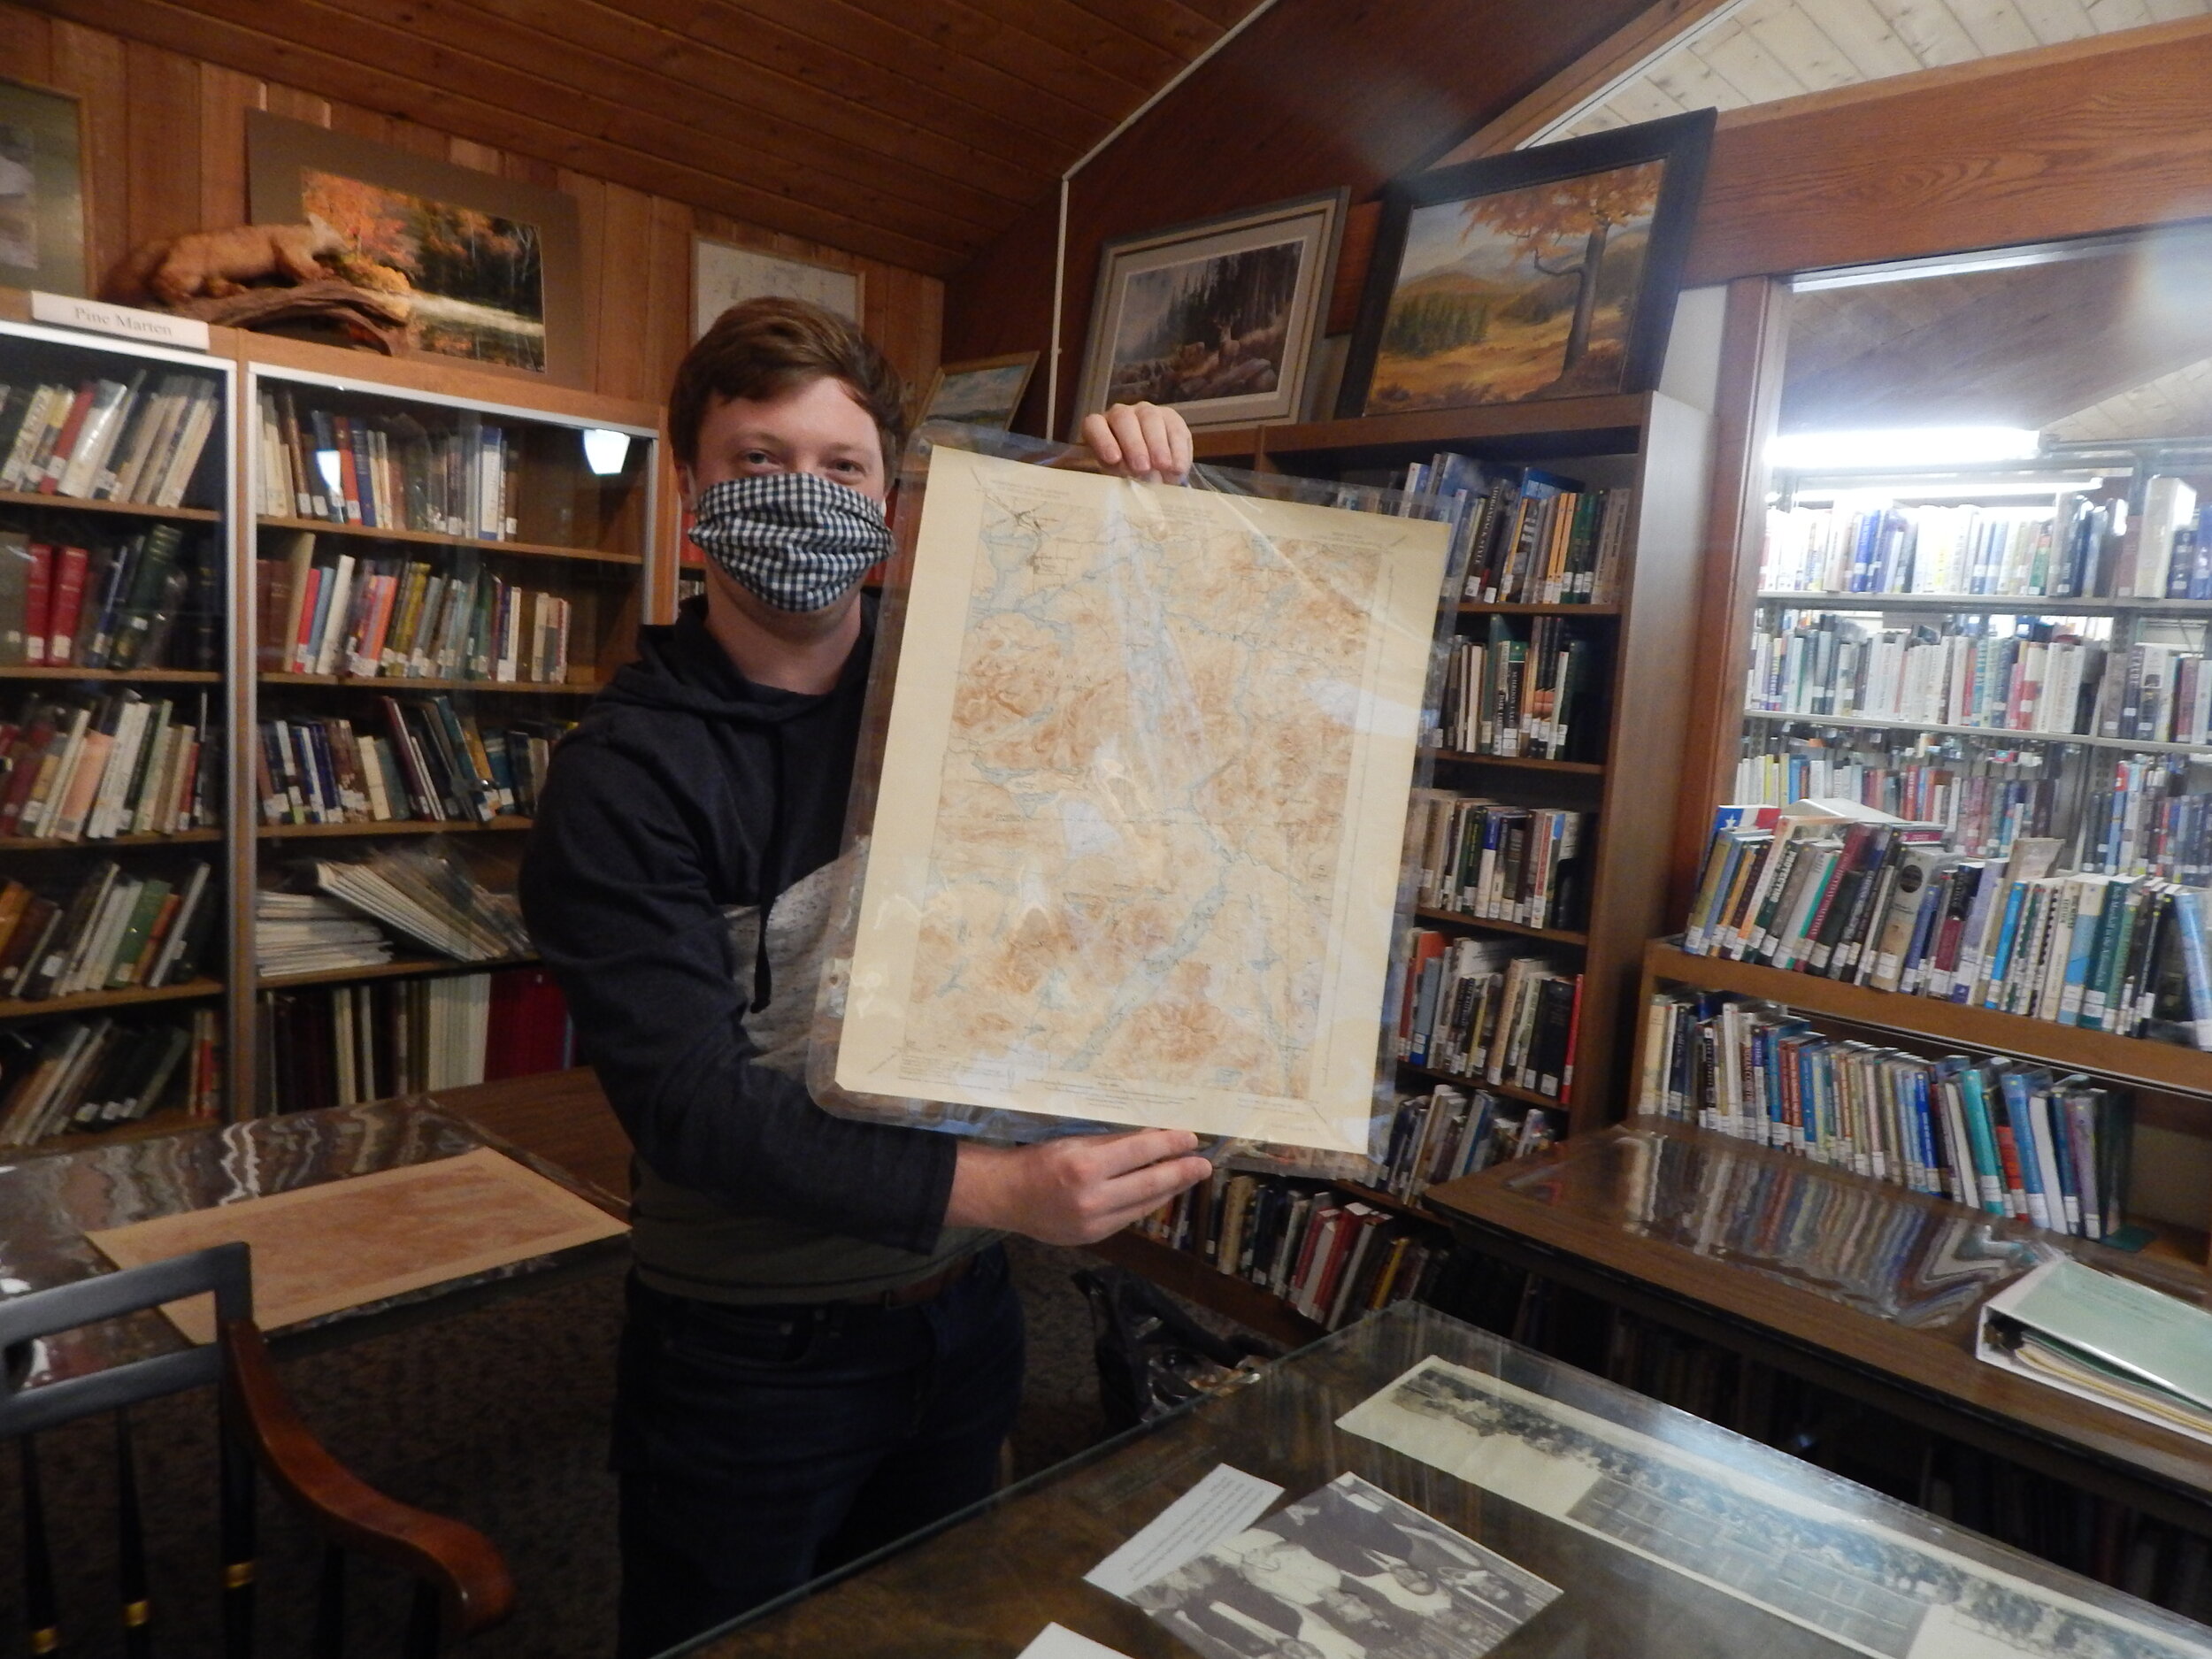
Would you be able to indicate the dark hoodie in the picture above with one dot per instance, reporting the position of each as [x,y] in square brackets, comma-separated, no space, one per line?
[688,800]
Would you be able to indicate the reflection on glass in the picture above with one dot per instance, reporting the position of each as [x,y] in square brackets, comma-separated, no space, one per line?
[1909,1264]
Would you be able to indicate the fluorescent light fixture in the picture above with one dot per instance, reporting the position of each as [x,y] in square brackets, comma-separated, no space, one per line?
[605,452]
[1901,447]
[1959,489]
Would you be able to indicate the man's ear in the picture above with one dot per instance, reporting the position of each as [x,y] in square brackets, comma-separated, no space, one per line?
[687,487]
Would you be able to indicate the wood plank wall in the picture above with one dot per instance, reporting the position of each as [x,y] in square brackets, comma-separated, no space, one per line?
[166,152]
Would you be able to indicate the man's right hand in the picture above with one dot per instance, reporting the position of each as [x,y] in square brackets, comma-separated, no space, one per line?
[1075,1190]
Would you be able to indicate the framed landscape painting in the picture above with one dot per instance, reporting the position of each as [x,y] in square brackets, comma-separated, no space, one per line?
[42,190]
[490,270]
[1217,318]
[1546,272]
[724,275]
[984,392]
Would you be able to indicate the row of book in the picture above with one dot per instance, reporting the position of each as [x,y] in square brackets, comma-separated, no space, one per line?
[2077,546]
[2002,1135]
[1844,891]
[1510,864]
[1445,1133]
[95,1073]
[109,931]
[1471,1008]
[405,619]
[388,471]
[1331,1258]
[144,601]
[1527,536]
[431,763]
[2005,674]
[76,769]
[334,1045]
[1518,690]
[2131,815]
[104,440]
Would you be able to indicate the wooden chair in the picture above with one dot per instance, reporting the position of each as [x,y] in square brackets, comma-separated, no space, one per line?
[461,1586]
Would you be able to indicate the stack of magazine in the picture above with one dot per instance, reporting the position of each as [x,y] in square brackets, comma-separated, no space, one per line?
[425,894]
[304,933]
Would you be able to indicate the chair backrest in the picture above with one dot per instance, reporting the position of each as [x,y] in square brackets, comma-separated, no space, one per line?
[461,1585]
[225,1271]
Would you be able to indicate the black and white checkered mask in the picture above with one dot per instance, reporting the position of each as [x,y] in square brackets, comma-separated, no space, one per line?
[794,541]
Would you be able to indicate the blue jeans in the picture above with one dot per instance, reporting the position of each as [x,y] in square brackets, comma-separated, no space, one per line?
[759,1446]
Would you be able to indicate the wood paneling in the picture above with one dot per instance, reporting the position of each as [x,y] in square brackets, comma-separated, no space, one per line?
[2100,134]
[914,132]
[166,152]
[1314,95]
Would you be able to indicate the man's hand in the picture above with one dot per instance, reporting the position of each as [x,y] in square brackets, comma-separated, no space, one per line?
[1075,1190]
[1140,441]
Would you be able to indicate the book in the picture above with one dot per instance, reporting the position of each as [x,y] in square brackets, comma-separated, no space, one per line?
[1995,1132]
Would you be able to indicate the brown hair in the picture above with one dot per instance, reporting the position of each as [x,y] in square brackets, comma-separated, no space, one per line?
[765,347]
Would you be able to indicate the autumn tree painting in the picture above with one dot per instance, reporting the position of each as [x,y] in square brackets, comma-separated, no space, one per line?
[1516,294]
[474,282]
[1547,221]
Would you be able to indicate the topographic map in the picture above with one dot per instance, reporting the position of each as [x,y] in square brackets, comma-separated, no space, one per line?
[1136,846]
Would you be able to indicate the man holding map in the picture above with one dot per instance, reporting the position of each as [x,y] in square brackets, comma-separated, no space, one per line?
[822,1351]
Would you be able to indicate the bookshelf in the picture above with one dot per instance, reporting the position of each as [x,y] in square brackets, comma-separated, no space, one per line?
[1630,749]
[117,503]
[513,554]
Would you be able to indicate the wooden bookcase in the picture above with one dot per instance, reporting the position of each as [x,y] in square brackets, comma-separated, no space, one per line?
[570,531]
[597,541]
[183,679]
[1661,447]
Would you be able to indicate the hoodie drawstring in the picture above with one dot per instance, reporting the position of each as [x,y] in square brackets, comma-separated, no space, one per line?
[771,869]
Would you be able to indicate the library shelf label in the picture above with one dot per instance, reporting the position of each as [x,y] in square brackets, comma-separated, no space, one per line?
[152,328]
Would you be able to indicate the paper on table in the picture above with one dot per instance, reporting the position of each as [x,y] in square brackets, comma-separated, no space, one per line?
[1220,1506]
[1056,1641]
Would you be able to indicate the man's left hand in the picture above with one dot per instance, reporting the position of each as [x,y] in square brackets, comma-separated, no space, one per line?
[1142,441]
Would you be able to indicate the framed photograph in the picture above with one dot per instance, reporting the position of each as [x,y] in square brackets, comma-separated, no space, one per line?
[42,190]
[982,392]
[490,269]
[1546,272]
[1217,318]
[723,273]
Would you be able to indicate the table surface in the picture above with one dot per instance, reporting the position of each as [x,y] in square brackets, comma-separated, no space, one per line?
[50,1201]
[1887,1281]
[1624,1499]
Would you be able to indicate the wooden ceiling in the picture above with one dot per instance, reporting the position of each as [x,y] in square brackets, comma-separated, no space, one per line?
[1740,53]
[911,131]
[2109,346]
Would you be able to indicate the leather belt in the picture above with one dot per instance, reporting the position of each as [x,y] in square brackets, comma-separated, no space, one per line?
[922,1289]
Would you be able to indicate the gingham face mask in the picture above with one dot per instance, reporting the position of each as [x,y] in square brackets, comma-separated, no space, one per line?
[792,540]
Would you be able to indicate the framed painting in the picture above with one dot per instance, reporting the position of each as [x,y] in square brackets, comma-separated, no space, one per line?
[723,274]
[491,270]
[1217,318]
[1546,272]
[982,392]
[42,190]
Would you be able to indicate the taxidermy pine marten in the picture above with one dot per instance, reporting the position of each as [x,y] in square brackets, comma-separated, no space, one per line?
[214,264]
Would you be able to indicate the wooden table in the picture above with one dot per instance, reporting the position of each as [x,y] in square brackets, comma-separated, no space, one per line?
[1670,1538]
[561,1126]
[562,1117]
[1833,1277]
